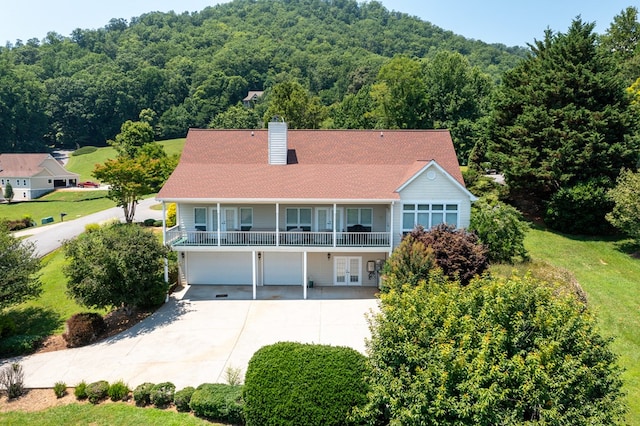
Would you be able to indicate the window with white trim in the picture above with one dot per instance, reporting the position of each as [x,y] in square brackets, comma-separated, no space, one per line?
[428,215]
[200,218]
[246,216]
[360,216]
[298,217]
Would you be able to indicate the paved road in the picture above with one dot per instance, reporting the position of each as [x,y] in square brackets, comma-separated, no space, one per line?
[49,237]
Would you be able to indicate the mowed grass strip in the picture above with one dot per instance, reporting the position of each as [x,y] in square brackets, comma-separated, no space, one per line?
[113,414]
[74,203]
[610,275]
[86,163]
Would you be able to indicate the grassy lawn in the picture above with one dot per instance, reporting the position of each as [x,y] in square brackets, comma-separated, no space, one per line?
[112,414]
[46,315]
[84,164]
[74,204]
[611,278]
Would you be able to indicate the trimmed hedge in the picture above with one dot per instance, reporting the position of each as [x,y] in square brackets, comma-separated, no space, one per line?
[182,399]
[84,150]
[83,328]
[97,391]
[161,394]
[142,394]
[218,402]
[304,385]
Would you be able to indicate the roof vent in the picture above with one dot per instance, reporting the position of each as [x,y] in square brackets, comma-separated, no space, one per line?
[277,142]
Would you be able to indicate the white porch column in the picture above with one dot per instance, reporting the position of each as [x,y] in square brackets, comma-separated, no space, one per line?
[304,275]
[254,272]
[164,223]
[164,242]
[277,224]
[335,216]
[219,222]
[391,230]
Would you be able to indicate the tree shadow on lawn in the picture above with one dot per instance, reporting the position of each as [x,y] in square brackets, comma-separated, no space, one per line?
[165,315]
[32,325]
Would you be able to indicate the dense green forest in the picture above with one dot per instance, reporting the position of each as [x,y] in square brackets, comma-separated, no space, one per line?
[189,68]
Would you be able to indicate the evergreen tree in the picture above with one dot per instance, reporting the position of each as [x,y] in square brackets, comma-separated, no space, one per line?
[562,117]
[8,192]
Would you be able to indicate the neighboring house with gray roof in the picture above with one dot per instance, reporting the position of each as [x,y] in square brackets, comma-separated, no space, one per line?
[33,175]
[282,207]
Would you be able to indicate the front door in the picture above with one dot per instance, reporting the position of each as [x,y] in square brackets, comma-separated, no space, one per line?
[348,270]
[324,219]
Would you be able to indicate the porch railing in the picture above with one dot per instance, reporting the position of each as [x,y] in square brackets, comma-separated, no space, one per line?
[181,238]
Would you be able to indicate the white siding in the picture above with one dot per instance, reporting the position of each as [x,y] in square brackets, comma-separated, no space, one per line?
[219,268]
[439,189]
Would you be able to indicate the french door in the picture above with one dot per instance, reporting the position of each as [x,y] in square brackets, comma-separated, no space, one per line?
[347,270]
[228,219]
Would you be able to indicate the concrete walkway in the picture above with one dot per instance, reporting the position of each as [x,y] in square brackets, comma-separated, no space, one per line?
[196,336]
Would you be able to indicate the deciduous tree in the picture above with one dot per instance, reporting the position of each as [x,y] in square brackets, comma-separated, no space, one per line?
[499,351]
[117,265]
[626,198]
[130,178]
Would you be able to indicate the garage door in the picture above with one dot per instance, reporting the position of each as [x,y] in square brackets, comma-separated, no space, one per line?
[219,268]
[282,268]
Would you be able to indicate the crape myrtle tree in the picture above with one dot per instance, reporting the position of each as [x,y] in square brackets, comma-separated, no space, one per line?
[498,351]
[18,270]
[562,117]
[117,265]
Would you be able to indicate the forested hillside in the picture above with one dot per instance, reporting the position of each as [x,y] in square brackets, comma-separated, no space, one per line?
[190,68]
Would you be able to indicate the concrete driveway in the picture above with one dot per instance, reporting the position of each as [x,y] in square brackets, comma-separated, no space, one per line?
[196,336]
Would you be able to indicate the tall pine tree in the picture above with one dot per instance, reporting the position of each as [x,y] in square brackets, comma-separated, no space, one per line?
[562,119]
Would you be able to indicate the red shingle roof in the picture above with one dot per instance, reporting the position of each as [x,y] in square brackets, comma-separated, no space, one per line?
[331,164]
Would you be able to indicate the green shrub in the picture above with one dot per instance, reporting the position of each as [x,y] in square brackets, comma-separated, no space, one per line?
[157,223]
[97,391]
[12,380]
[581,209]
[182,399]
[149,222]
[19,344]
[7,326]
[458,252]
[218,402]
[409,263]
[84,150]
[80,391]
[161,394]
[303,384]
[60,389]
[500,228]
[83,328]
[142,394]
[91,227]
[119,391]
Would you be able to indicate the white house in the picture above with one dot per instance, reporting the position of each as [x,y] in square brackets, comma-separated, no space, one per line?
[33,175]
[284,207]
